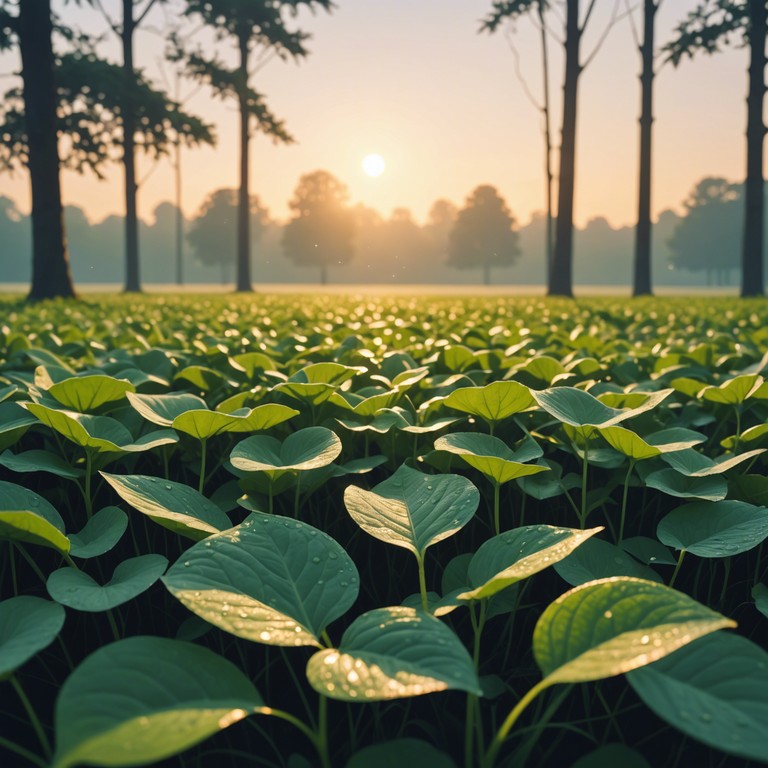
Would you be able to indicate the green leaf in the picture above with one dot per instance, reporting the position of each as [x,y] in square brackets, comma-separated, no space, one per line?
[612,755]
[140,700]
[714,690]
[28,518]
[39,461]
[491,456]
[648,551]
[760,596]
[99,433]
[77,590]
[611,626]
[393,653]
[734,391]
[515,555]
[674,484]
[27,626]
[271,580]
[85,393]
[402,752]
[598,559]
[14,422]
[413,510]
[693,464]
[716,529]
[175,506]
[632,445]
[163,409]
[494,402]
[100,533]
[304,449]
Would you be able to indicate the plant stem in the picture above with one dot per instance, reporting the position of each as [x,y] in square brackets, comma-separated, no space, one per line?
[501,735]
[113,625]
[423,584]
[271,498]
[32,563]
[27,755]
[677,567]
[88,471]
[496,500]
[201,480]
[322,733]
[33,718]
[296,497]
[624,501]
[585,466]
[736,442]
[289,718]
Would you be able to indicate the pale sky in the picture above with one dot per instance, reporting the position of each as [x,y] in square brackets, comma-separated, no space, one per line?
[413,81]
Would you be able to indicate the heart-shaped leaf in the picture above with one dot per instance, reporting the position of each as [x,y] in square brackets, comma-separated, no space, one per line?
[85,393]
[304,449]
[175,506]
[271,580]
[599,559]
[632,445]
[404,751]
[77,590]
[100,533]
[27,625]
[734,391]
[714,690]
[693,464]
[674,484]
[492,456]
[716,529]
[29,518]
[393,653]
[611,626]
[518,554]
[493,402]
[413,510]
[14,422]
[40,461]
[140,700]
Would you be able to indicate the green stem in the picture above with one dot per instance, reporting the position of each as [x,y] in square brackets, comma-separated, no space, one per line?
[296,497]
[289,718]
[33,718]
[322,733]
[69,561]
[677,567]
[501,735]
[113,625]
[736,442]
[88,471]
[727,566]
[26,754]
[624,501]
[585,466]
[201,480]
[271,498]
[32,563]
[325,637]
[496,500]
[12,560]
[423,584]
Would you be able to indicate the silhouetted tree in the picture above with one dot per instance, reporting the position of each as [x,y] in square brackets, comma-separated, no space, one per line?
[251,25]
[440,220]
[322,229]
[212,234]
[32,28]
[721,21]
[641,281]
[706,238]
[560,274]
[484,234]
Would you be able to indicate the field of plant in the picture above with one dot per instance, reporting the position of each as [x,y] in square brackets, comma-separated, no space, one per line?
[369,532]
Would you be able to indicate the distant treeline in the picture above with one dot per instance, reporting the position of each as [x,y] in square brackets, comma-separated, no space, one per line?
[698,248]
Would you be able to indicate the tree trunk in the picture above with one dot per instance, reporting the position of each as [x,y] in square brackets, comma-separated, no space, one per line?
[50,264]
[549,176]
[179,218]
[561,278]
[132,278]
[752,246]
[641,285]
[243,283]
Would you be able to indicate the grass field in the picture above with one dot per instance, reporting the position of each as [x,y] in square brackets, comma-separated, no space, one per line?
[301,529]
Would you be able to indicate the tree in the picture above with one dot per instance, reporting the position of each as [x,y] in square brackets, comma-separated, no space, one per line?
[251,25]
[32,29]
[560,272]
[484,234]
[721,21]
[212,234]
[322,229]
[641,281]
[707,235]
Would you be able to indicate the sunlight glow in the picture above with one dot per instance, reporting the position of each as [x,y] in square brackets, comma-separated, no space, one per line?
[373,165]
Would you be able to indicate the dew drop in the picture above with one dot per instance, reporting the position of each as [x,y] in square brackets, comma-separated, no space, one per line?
[644,640]
[608,614]
[315,560]
[705,717]
[264,636]
[168,487]
[187,563]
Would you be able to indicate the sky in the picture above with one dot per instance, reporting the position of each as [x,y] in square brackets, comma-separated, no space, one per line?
[414,81]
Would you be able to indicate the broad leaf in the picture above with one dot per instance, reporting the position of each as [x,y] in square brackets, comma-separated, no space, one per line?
[401,752]
[271,580]
[674,484]
[27,626]
[40,461]
[611,626]
[100,533]
[77,590]
[493,402]
[393,653]
[85,393]
[413,510]
[599,559]
[140,700]
[714,690]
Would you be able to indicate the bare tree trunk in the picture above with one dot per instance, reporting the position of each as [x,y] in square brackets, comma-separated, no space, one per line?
[547,140]
[132,278]
[641,285]
[561,278]
[752,248]
[243,283]
[50,264]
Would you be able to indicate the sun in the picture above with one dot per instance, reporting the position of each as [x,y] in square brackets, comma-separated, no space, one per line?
[373,165]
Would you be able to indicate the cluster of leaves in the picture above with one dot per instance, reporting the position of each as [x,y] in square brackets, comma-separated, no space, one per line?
[204,505]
